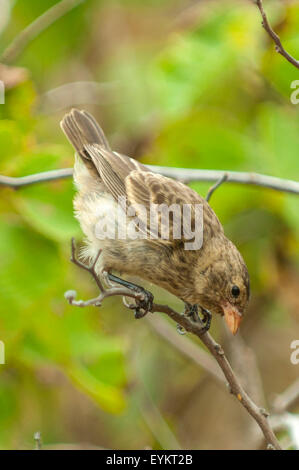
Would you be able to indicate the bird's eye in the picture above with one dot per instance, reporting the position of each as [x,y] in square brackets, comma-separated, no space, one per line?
[235,291]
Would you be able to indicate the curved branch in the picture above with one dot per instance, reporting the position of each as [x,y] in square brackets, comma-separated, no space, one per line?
[187,175]
[275,38]
[258,414]
[186,322]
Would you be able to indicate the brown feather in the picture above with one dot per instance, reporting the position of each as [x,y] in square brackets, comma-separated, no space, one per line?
[203,276]
[101,159]
[82,129]
[150,189]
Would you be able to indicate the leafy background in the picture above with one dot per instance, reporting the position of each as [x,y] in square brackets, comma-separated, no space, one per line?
[179,83]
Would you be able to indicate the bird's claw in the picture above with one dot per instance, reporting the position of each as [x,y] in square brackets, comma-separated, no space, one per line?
[191,311]
[143,300]
[206,319]
[145,305]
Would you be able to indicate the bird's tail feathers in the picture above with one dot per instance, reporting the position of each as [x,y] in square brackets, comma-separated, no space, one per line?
[81,129]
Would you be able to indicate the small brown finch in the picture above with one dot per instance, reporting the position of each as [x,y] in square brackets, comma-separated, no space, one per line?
[211,275]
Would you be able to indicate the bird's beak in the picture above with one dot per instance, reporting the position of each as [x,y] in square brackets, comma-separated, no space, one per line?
[232,317]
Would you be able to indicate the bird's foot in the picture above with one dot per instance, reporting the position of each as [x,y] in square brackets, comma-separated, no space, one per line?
[192,311]
[206,319]
[142,305]
[143,300]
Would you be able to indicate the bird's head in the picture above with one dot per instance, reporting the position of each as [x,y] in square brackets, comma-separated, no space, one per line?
[223,284]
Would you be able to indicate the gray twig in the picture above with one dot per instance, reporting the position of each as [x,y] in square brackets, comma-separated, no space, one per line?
[44,177]
[184,174]
[275,38]
[216,186]
[234,385]
[186,322]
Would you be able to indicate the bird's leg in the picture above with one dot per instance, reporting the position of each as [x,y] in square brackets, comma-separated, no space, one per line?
[192,312]
[142,306]
[206,318]
[143,299]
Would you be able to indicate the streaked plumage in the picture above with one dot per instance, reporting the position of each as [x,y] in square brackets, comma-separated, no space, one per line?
[205,276]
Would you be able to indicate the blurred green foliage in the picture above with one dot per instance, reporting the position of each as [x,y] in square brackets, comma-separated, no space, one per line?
[205,90]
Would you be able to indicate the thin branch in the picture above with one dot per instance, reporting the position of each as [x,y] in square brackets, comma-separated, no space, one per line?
[187,175]
[258,414]
[186,322]
[44,177]
[104,293]
[89,269]
[216,186]
[36,27]
[275,38]
[256,179]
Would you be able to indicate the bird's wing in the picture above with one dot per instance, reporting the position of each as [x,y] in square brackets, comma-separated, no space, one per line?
[125,177]
[121,164]
[190,209]
[113,168]
[112,180]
